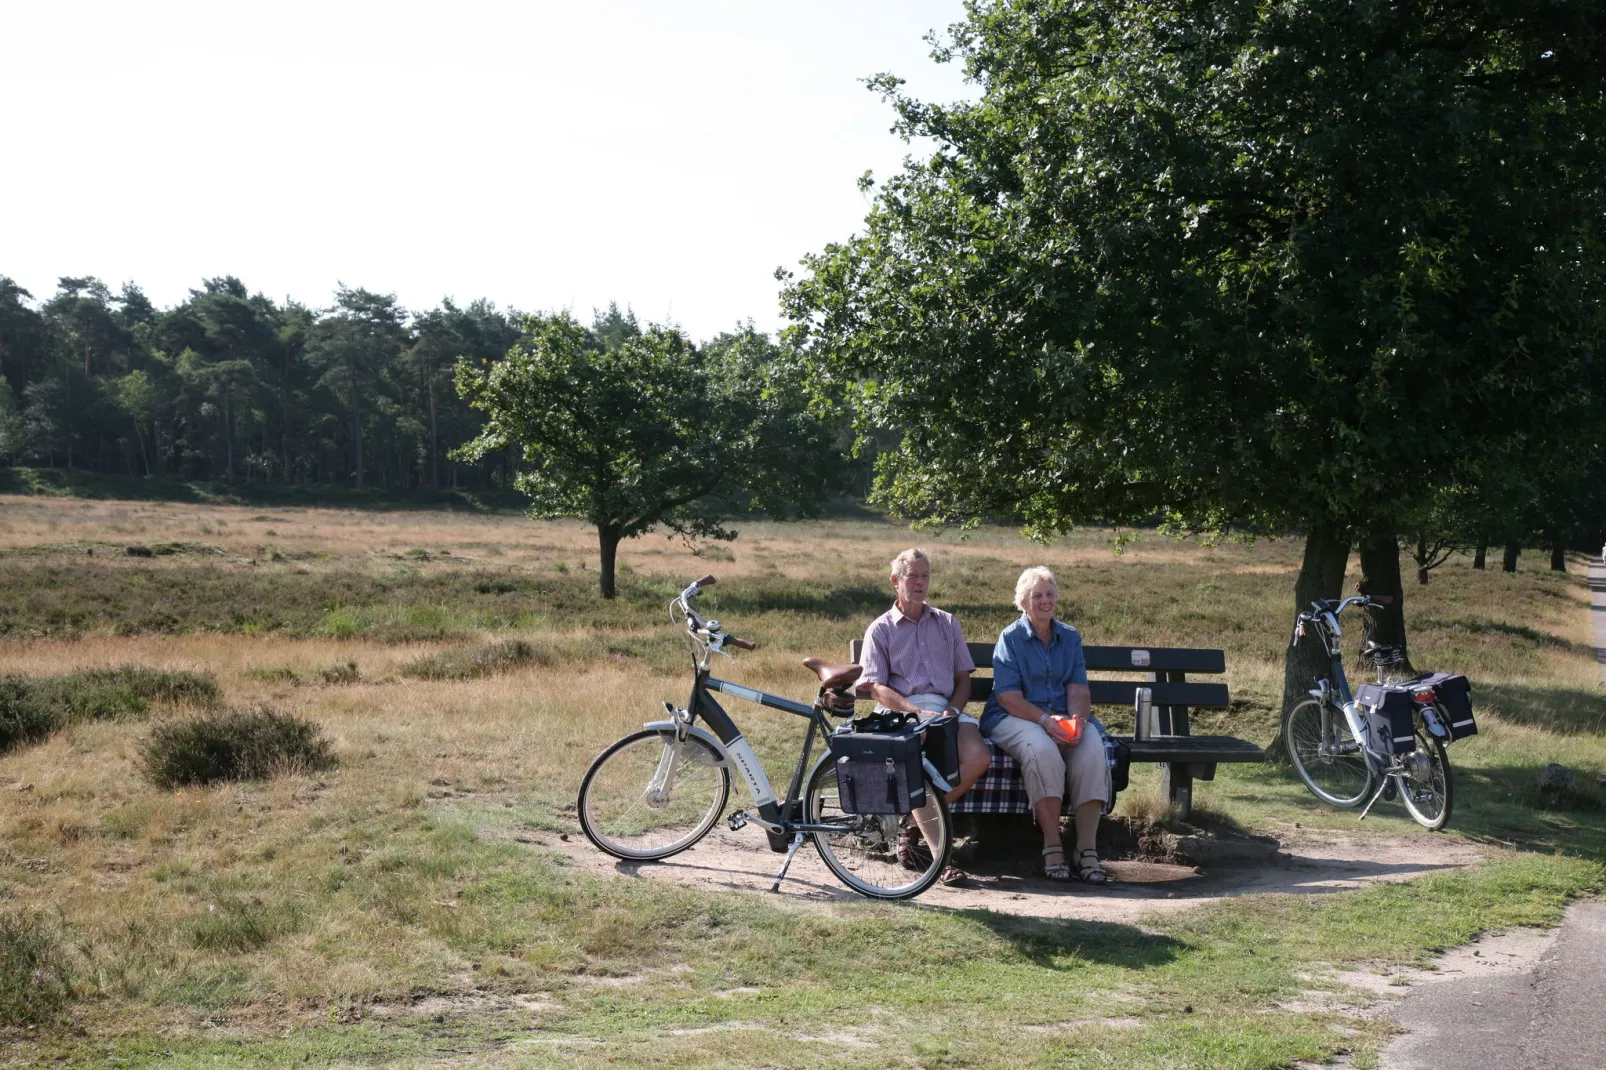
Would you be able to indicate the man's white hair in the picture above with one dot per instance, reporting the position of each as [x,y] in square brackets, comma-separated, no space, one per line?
[1028,580]
[901,563]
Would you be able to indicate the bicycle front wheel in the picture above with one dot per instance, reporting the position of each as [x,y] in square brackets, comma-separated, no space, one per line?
[1329,760]
[1425,786]
[647,798]
[867,854]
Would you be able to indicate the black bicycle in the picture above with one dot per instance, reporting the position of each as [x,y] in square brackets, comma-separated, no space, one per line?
[1349,752]
[658,791]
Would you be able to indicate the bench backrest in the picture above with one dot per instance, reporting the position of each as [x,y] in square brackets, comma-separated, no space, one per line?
[1163,670]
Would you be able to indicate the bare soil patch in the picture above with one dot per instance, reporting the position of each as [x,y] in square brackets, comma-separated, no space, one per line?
[742,861]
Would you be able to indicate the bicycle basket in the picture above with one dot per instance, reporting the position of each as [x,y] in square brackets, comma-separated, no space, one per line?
[879,772]
[1390,724]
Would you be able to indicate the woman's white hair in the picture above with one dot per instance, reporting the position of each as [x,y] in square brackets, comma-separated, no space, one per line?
[1028,580]
[901,563]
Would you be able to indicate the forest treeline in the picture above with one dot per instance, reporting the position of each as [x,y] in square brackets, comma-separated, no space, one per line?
[233,385]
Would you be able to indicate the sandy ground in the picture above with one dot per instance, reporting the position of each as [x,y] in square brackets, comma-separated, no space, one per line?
[1314,865]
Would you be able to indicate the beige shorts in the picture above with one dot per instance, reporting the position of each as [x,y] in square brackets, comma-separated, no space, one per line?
[1078,773]
[938,703]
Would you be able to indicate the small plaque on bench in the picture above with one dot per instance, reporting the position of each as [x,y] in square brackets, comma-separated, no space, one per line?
[1140,658]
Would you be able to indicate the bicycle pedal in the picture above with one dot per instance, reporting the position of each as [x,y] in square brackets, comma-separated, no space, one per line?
[1391,791]
[737,821]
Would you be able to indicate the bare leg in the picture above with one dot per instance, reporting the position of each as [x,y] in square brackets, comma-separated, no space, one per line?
[1056,865]
[1087,825]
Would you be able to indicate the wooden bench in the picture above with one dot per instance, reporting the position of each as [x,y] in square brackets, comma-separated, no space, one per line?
[1182,756]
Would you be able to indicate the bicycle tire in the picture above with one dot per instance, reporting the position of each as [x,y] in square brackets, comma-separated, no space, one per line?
[865,855]
[1342,780]
[1420,795]
[617,813]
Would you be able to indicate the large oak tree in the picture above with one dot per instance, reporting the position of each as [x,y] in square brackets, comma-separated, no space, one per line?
[1282,265]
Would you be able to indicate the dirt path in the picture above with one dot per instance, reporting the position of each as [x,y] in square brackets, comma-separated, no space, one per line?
[1315,864]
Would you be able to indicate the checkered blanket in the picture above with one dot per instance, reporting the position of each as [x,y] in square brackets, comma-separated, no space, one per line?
[1001,789]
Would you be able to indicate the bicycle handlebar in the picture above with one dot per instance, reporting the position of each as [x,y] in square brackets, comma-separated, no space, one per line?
[740,644]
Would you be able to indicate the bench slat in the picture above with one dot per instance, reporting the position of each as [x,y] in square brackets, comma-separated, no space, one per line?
[1111,658]
[1120,658]
[1124,693]
[1193,749]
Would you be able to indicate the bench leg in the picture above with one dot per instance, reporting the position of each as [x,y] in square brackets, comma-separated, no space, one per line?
[1176,780]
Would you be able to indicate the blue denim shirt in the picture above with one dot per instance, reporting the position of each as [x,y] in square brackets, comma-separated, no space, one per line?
[1022,663]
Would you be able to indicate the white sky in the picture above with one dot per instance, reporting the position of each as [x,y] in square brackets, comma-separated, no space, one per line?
[668,155]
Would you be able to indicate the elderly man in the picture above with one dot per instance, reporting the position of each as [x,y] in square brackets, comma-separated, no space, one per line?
[915,659]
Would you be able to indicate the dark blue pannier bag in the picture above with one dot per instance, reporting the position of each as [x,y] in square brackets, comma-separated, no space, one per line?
[1389,721]
[1455,695]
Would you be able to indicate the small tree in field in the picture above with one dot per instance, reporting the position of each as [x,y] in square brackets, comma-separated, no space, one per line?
[630,430]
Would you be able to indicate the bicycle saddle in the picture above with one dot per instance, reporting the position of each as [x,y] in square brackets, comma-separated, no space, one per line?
[833,675]
[1381,653]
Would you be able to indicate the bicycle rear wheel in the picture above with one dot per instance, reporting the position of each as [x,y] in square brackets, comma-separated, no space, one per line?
[1333,766]
[865,854]
[1425,786]
[641,800]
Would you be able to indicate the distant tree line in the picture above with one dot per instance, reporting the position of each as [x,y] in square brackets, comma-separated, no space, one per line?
[232,385]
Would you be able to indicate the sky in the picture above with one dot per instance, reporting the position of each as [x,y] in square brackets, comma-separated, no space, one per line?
[669,156]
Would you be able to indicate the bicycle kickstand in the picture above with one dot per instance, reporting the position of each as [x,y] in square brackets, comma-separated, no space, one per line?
[1375,796]
[791,852]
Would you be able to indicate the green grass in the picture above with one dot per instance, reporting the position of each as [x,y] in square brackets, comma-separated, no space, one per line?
[963,989]
[388,914]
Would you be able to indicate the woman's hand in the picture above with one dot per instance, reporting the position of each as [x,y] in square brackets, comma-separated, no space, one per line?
[1066,731]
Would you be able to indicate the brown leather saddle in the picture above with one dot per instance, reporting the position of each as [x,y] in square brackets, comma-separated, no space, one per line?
[836,680]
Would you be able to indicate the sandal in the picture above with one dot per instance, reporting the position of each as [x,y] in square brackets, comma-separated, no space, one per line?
[1090,872]
[954,877]
[1055,871]
[913,853]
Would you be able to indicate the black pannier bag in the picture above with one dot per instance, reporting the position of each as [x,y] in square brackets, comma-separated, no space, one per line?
[1389,721]
[1455,695]
[942,747]
[879,772]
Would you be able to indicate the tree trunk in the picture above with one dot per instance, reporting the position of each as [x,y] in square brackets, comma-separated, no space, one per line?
[1509,562]
[608,544]
[1321,575]
[1380,574]
[1422,560]
[1558,554]
[144,457]
[228,429]
[1479,555]
[434,443]
[356,426]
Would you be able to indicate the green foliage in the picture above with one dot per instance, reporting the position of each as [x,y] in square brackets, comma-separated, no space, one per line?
[33,708]
[35,986]
[1228,264]
[249,744]
[632,430]
[23,718]
[467,664]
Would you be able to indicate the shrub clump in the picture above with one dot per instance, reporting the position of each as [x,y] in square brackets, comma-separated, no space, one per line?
[33,708]
[248,744]
[34,981]
[342,674]
[468,663]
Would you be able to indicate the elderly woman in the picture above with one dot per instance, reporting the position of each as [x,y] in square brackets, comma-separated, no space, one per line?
[1040,713]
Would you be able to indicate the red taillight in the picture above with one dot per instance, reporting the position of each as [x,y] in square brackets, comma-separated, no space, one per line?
[1423,696]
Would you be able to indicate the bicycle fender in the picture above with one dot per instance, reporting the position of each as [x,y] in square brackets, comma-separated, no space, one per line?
[936,777]
[694,730]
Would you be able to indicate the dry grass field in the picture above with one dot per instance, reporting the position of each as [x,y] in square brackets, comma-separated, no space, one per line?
[396,912]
